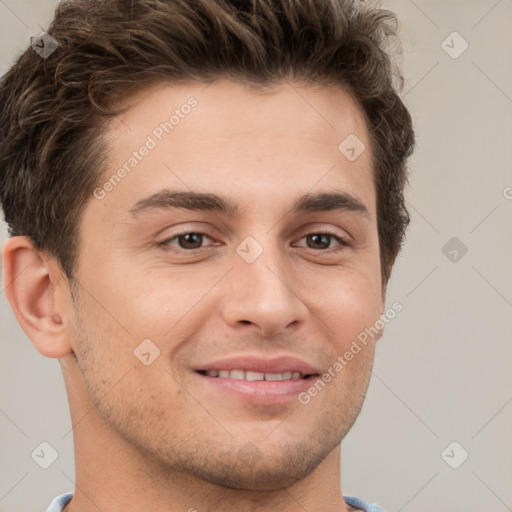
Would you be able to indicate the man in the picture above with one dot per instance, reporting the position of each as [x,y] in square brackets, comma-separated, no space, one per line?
[205,201]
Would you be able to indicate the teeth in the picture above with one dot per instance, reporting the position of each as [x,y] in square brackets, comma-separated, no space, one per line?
[253,376]
[273,376]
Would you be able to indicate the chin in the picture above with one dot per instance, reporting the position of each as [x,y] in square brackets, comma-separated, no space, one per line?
[252,470]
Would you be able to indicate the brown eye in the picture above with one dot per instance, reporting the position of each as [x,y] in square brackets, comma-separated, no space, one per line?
[322,241]
[190,240]
[319,241]
[185,241]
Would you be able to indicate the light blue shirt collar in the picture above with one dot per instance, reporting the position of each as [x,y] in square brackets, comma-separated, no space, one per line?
[57,504]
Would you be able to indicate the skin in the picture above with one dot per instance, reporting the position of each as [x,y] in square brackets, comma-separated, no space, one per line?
[161,436]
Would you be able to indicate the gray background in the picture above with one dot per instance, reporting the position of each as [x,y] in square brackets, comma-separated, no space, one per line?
[442,371]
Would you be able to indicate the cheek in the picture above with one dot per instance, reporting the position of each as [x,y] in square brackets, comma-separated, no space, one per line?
[159,302]
[116,373]
[139,303]
[348,303]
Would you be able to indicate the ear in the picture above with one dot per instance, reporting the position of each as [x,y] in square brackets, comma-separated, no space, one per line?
[37,291]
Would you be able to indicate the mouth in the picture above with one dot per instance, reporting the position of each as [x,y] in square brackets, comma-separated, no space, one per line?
[254,376]
[258,380]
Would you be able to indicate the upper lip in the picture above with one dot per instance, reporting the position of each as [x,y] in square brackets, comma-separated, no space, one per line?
[262,364]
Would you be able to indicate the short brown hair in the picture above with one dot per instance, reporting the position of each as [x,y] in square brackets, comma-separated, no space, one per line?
[52,110]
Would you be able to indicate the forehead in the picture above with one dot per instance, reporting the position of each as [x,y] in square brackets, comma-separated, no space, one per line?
[212,137]
[225,105]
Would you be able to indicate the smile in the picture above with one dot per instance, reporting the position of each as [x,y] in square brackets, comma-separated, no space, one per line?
[252,375]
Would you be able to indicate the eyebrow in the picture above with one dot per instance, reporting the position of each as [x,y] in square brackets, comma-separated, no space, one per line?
[165,199]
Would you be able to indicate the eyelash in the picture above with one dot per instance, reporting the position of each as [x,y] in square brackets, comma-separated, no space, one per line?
[343,243]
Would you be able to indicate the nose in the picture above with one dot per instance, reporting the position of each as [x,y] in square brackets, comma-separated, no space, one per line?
[263,294]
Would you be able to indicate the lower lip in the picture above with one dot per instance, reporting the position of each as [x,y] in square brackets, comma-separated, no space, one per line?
[260,391]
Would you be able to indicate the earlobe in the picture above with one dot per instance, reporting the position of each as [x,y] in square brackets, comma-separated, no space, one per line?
[34,291]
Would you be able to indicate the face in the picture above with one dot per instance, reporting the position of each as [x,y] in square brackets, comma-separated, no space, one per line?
[224,273]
